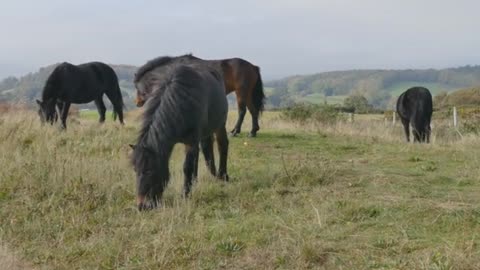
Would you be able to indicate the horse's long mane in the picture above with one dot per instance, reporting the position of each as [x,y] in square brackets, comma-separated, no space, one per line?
[171,106]
[159,61]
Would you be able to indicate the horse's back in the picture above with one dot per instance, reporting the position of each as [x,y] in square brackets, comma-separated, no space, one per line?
[194,98]
[208,86]
[239,74]
[100,70]
[415,102]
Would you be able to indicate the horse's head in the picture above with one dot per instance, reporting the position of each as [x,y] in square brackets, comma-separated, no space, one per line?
[152,175]
[141,92]
[141,98]
[46,111]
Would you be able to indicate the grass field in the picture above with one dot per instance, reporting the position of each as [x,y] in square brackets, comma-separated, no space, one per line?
[349,196]
[93,115]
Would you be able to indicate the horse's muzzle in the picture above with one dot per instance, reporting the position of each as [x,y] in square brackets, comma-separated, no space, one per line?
[143,204]
[139,102]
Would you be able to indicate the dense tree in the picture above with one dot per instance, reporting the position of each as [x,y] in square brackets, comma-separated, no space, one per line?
[357,104]
[8,83]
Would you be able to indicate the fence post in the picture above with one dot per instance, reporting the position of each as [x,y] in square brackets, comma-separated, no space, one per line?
[455,116]
[350,117]
[394,117]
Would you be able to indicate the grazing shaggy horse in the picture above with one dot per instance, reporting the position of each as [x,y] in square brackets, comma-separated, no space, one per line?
[79,84]
[187,105]
[414,107]
[239,76]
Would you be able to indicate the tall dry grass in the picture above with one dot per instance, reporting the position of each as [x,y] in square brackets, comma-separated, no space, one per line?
[343,196]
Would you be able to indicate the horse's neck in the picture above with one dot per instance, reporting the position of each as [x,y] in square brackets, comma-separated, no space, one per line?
[162,146]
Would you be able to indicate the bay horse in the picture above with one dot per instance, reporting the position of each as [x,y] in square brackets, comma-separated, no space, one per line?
[79,84]
[188,106]
[415,107]
[240,76]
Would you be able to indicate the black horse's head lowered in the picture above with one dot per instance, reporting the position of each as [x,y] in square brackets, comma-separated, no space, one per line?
[415,107]
[152,174]
[188,106]
[46,111]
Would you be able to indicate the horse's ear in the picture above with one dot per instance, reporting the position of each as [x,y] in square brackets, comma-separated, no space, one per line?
[132,146]
[39,102]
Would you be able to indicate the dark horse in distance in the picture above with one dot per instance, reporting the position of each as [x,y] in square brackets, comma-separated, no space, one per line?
[188,106]
[80,84]
[240,76]
[414,107]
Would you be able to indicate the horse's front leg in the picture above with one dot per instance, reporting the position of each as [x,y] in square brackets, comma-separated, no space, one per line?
[190,166]
[66,107]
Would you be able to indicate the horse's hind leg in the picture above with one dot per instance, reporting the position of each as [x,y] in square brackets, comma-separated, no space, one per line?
[428,131]
[190,166]
[222,141]
[406,127]
[255,127]
[101,109]
[417,137]
[207,149]
[242,110]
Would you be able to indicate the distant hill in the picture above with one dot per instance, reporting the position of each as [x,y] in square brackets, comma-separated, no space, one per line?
[380,87]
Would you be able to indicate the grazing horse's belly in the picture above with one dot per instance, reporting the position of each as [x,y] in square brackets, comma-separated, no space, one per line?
[84,95]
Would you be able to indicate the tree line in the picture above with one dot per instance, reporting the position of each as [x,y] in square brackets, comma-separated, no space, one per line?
[377,86]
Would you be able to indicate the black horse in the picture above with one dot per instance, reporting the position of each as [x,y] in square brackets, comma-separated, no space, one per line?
[80,84]
[239,76]
[414,107]
[188,106]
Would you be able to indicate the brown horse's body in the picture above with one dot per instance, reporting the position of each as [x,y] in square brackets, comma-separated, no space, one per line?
[243,78]
[240,76]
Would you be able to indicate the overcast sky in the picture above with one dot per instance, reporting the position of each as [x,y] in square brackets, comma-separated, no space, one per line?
[282,37]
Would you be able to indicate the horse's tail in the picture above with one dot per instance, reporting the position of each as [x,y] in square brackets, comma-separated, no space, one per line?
[258,95]
[122,105]
[118,94]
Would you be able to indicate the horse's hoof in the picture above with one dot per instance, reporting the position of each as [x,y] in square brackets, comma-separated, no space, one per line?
[252,135]
[233,134]
[146,206]
[223,177]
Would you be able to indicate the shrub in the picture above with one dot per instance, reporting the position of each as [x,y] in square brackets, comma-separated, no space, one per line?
[318,114]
